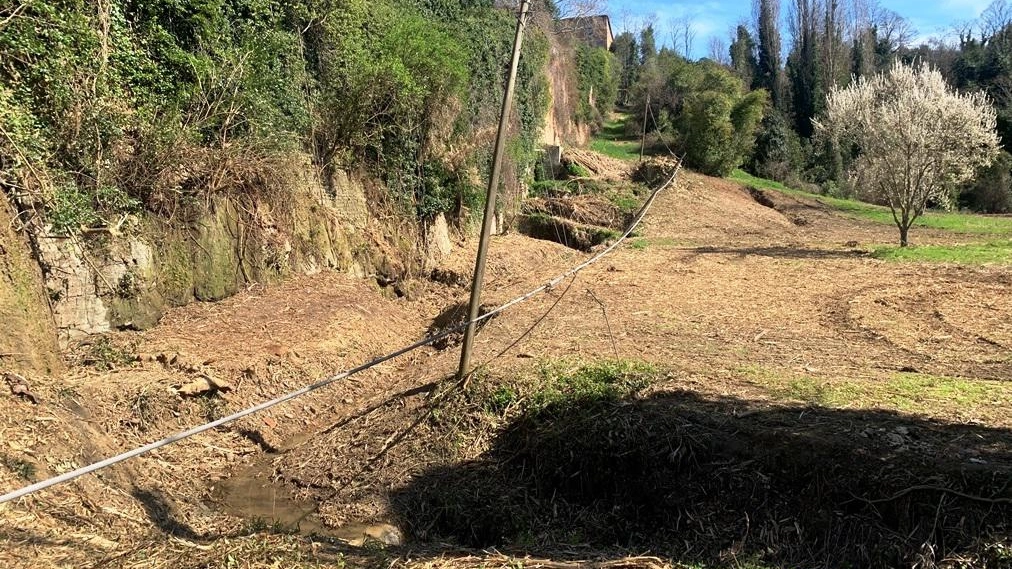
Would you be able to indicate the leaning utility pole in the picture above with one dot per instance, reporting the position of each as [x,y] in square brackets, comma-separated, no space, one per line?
[493,187]
[643,139]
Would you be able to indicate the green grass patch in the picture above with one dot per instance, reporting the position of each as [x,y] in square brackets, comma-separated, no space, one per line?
[644,243]
[915,391]
[553,382]
[626,203]
[551,188]
[613,141]
[743,177]
[906,392]
[948,221]
[975,253]
[611,380]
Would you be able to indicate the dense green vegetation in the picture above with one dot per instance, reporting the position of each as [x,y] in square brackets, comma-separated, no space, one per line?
[598,81]
[701,109]
[828,45]
[114,106]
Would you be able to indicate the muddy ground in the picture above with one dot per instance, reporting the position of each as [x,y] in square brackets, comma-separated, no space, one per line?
[786,360]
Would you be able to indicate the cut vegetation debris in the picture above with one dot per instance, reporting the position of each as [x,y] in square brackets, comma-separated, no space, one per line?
[743,385]
[574,456]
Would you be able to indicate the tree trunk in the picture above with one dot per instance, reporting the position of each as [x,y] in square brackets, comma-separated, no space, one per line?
[904,229]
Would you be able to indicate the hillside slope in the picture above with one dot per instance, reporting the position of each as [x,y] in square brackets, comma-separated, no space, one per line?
[776,330]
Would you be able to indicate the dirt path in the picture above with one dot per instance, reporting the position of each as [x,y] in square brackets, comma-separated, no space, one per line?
[734,298]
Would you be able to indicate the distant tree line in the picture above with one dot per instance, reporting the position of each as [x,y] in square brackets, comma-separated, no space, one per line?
[796,53]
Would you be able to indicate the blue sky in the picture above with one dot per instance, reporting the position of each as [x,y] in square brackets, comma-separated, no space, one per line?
[930,18]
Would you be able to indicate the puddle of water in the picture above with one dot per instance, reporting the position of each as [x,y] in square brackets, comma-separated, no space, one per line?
[256,498]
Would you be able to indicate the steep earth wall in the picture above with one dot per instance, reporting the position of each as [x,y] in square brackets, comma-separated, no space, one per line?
[27,330]
[124,278]
[561,128]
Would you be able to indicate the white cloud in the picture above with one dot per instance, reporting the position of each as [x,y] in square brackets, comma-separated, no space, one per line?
[966,8]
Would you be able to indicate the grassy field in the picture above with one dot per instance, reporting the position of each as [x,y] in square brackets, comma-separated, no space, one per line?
[612,141]
[903,392]
[950,221]
[998,249]
[973,253]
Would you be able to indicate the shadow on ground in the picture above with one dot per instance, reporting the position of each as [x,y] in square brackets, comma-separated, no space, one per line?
[783,252]
[161,513]
[719,481]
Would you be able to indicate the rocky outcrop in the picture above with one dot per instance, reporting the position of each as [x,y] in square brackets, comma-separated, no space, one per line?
[126,278]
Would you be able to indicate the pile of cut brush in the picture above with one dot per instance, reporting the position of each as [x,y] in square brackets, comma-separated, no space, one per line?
[587,458]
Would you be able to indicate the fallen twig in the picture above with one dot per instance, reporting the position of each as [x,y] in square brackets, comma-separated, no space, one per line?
[906,491]
[604,311]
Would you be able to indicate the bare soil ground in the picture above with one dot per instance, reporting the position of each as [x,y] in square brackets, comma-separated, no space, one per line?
[756,314]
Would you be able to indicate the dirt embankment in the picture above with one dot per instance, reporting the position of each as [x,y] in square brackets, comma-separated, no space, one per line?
[779,426]
[27,330]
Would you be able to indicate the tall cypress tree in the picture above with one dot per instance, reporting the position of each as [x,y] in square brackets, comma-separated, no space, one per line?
[743,56]
[803,68]
[769,76]
[627,52]
[648,44]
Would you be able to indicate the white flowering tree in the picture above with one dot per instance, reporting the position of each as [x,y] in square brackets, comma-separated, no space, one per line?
[916,138]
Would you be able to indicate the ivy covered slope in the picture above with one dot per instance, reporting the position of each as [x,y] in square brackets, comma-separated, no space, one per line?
[110,107]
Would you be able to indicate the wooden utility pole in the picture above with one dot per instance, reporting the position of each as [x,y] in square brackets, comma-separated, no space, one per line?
[643,139]
[493,187]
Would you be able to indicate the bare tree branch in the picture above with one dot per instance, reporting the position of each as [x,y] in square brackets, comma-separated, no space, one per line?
[14,14]
[719,51]
[581,8]
[995,18]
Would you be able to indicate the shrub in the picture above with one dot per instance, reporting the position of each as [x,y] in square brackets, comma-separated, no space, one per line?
[713,117]
[991,190]
[719,122]
[777,152]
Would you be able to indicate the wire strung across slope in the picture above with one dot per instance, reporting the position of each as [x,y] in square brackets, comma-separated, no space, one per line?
[74,474]
[403,434]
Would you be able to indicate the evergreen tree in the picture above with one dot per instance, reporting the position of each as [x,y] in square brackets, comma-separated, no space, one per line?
[803,68]
[648,44]
[743,56]
[769,74]
[627,51]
